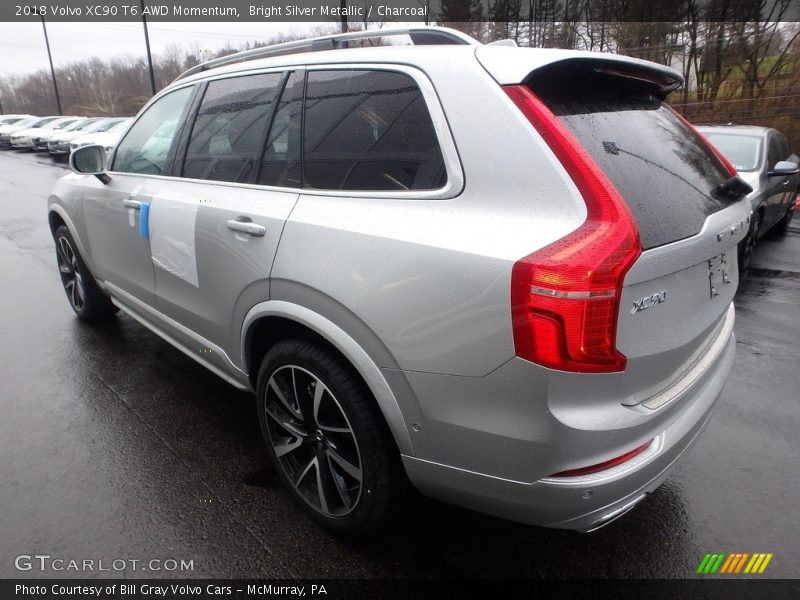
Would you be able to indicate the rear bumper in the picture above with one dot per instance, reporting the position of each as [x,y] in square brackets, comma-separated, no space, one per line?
[588,502]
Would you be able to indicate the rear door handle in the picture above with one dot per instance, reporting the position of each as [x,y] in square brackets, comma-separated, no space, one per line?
[245,225]
[131,203]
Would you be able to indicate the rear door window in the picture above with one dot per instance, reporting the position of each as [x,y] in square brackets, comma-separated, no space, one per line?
[230,127]
[369,130]
[774,152]
[664,171]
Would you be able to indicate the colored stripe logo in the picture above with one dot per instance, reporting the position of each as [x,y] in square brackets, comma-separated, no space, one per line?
[734,563]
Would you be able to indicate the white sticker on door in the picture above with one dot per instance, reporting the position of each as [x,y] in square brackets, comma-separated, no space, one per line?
[172,237]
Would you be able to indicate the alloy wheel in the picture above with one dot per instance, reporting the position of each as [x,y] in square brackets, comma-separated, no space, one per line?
[70,273]
[313,441]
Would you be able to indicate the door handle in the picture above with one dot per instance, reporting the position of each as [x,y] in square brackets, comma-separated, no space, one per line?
[131,203]
[246,226]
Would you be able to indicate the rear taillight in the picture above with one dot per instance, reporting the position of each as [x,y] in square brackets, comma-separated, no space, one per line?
[725,162]
[603,466]
[565,297]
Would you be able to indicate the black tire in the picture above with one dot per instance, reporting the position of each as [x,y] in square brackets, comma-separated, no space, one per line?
[84,295]
[782,227]
[747,246]
[306,451]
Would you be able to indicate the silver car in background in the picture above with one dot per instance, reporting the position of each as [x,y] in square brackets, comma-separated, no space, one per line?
[56,143]
[40,140]
[106,135]
[24,139]
[519,298]
[6,131]
[764,160]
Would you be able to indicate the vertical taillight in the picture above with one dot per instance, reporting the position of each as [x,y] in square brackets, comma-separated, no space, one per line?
[565,297]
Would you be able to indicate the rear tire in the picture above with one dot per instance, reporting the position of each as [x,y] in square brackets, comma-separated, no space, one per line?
[326,437]
[782,227]
[84,295]
[747,246]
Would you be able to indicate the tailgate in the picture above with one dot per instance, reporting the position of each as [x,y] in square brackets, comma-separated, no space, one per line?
[677,294]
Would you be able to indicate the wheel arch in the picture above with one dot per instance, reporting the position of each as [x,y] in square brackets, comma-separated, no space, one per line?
[274,320]
[57,216]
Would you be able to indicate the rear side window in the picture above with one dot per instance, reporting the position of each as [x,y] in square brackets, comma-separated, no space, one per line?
[230,127]
[664,171]
[786,152]
[777,150]
[369,130]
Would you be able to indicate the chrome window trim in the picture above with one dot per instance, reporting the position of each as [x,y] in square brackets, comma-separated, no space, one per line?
[455,173]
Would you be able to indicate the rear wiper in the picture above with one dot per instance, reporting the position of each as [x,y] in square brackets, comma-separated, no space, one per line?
[732,189]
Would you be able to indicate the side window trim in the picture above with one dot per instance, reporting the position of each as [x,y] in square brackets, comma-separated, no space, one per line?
[453,166]
[270,123]
[455,174]
[186,130]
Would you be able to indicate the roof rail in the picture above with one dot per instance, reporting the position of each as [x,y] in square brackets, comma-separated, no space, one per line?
[420,36]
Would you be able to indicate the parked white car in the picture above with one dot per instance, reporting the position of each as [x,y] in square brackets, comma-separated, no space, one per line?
[59,145]
[106,138]
[39,141]
[23,139]
[11,119]
[6,131]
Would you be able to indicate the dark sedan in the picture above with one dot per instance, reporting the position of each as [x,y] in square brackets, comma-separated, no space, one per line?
[763,159]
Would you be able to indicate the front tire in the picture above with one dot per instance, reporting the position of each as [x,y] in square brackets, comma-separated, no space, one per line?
[327,439]
[84,295]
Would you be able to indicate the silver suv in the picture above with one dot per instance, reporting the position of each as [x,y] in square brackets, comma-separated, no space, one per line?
[503,274]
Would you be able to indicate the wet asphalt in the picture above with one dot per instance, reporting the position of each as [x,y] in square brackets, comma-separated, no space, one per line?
[115,445]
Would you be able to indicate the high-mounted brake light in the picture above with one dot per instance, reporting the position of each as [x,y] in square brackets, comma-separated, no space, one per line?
[725,162]
[603,466]
[565,297]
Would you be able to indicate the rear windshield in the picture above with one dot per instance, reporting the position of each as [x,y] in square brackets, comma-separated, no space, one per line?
[663,169]
[744,151]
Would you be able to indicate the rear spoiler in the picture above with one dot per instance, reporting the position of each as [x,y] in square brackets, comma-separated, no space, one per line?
[509,66]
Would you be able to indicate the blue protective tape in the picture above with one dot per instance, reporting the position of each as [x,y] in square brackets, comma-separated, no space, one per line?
[144,221]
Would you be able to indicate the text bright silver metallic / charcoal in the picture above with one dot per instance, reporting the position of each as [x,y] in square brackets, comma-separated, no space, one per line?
[483,268]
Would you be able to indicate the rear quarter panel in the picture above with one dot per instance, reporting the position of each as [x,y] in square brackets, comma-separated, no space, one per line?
[431,277]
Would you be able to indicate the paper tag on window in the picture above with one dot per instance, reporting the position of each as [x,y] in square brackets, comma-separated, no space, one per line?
[131,217]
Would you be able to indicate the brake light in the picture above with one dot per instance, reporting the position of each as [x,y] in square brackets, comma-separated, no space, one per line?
[565,297]
[605,465]
[725,162]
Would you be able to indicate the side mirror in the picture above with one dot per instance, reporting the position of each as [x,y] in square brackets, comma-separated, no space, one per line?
[90,160]
[784,167]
